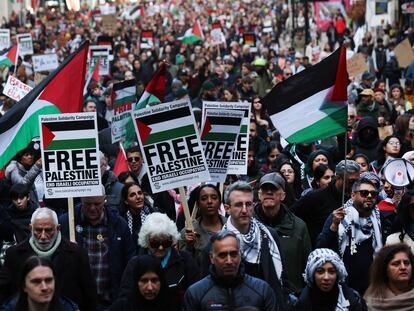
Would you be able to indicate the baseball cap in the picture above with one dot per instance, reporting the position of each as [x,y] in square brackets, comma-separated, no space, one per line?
[273,179]
[367,92]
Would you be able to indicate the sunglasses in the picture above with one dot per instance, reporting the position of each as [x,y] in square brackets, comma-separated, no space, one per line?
[132,159]
[365,193]
[158,243]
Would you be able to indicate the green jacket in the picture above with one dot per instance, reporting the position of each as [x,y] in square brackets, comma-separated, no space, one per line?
[294,241]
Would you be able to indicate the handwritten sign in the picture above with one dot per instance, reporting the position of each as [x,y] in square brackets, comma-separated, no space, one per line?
[16,89]
[404,53]
[45,62]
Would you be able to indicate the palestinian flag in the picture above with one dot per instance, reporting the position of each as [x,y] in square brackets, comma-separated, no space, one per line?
[69,135]
[121,164]
[9,56]
[193,34]
[166,125]
[220,128]
[312,104]
[124,93]
[136,12]
[60,92]
[155,90]
[93,75]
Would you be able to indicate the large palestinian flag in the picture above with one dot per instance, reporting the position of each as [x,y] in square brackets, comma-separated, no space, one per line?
[166,125]
[193,34]
[69,135]
[9,56]
[312,104]
[60,92]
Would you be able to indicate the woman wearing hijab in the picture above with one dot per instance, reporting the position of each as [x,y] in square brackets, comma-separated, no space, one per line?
[325,289]
[149,291]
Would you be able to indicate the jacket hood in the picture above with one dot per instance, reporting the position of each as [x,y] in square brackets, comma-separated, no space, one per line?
[365,123]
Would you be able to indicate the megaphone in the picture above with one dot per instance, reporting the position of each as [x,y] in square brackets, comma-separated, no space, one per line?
[399,172]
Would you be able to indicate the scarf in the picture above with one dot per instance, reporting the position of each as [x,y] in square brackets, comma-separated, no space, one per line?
[143,213]
[49,252]
[361,229]
[402,302]
[326,301]
[250,244]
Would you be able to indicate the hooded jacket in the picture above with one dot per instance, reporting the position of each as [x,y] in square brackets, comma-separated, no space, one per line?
[366,145]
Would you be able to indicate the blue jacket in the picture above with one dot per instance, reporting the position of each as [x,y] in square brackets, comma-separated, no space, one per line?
[65,305]
[121,246]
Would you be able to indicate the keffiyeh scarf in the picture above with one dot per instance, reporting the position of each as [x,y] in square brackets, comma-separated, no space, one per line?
[250,244]
[361,229]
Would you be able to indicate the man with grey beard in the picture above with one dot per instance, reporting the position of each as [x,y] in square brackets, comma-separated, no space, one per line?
[71,262]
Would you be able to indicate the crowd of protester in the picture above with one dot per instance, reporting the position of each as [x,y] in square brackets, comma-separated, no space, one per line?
[302,230]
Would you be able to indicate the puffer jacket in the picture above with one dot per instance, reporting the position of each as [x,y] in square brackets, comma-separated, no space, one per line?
[211,293]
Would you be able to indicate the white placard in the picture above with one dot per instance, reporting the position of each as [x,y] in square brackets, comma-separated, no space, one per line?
[45,62]
[16,89]
[25,43]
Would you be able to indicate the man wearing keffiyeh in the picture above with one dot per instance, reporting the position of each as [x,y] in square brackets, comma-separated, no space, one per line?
[259,245]
[354,232]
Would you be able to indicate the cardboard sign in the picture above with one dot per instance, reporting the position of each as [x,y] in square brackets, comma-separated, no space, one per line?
[404,53]
[25,43]
[96,52]
[124,99]
[16,89]
[109,23]
[45,62]
[171,146]
[70,155]
[356,65]
[4,39]
[238,162]
[218,137]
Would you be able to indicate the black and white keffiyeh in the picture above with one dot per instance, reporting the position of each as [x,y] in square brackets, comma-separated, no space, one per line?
[143,213]
[361,229]
[250,244]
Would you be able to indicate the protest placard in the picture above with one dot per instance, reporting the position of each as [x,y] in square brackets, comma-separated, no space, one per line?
[124,98]
[16,89]
[147,40]
[217,36]
[102,52]
[238,162]
[249,38]
[45,62]
[356,65]
[109,24]
[218,137]
[404,53]
[25,44]
[171,145]
[70,155]
[4,39]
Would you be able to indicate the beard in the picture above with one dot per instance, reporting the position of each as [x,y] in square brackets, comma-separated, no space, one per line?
[45,246]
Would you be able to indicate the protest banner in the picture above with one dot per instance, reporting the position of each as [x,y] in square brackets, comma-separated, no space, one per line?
[171,145]
[4,39]
[218,137]
[238,162]
[109,24]
[16,89]
[356,65]
[102,52]
[107,9]
[147,40]
[70,155]
[124,98]
[249,38]
[25,44]
[45,62]
[404,53]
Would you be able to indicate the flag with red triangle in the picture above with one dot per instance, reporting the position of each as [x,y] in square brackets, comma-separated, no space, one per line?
[121,164]
[60,92]
[193,34]
[93,75]
[9,56]
[312,104]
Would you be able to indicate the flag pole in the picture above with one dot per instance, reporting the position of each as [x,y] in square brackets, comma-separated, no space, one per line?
[71,217]
[344,178]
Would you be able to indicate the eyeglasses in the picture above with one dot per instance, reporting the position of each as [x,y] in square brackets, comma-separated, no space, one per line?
[157,243]
[365,193]
[394,143]
[240,205]
[132,159]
